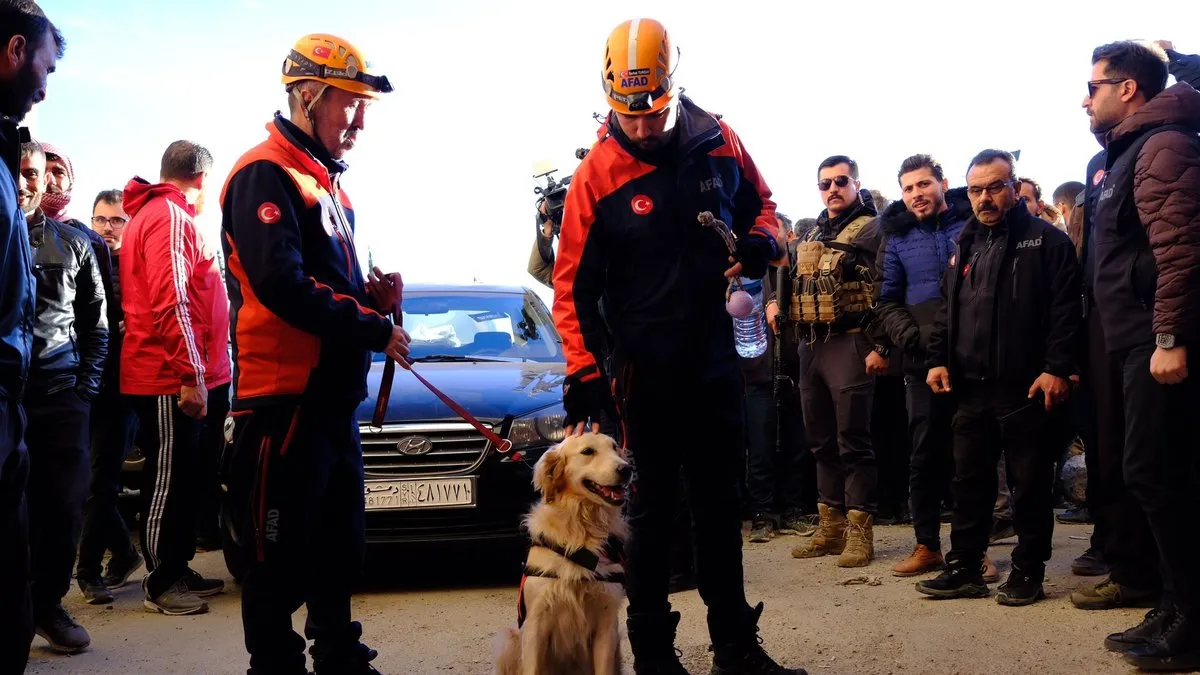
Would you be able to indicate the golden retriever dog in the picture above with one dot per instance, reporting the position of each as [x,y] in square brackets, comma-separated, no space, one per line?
[571,595]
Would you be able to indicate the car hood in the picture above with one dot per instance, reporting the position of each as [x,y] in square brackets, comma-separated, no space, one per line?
[488,390]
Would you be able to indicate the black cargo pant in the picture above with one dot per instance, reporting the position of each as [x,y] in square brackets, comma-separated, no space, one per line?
[837,396]
[114,424]
[169,440]
[1121,530]
[891,442]
[16,611]
[677,420]
[994,417]
[59,481]
[1162,446]
[297,482]
[777,477]
[932,464]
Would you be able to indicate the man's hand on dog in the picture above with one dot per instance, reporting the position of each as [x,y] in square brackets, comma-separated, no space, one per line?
[584,403]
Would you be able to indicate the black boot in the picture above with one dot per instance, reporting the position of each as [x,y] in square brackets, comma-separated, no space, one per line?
[652,641]
[350,657]
[737,648]
[1151,627]
[1177,648]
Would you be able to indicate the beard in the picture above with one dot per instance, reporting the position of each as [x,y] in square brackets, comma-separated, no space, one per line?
[16,98]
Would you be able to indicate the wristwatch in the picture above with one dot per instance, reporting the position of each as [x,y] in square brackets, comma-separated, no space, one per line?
[1164,340]
[882,350]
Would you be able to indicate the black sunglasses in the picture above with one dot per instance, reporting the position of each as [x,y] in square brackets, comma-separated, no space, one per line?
[840,181]
[1093,85]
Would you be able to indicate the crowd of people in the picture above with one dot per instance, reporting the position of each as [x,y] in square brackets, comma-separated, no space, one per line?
[927,359]
[133,329]
[970,335]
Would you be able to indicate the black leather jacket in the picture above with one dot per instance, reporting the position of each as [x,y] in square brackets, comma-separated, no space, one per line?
[70,338]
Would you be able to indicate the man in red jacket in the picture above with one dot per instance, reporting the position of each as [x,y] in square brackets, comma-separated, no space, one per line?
[176,337]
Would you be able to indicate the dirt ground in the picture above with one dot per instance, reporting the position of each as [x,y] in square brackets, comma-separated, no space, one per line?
[440,616]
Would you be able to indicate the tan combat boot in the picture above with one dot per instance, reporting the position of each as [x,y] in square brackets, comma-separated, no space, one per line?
[860,540]
[830,538]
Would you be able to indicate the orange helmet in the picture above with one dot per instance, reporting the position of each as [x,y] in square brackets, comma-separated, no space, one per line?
[334,61]
[638,67]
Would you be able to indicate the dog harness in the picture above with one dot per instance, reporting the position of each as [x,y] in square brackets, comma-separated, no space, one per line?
[614,551]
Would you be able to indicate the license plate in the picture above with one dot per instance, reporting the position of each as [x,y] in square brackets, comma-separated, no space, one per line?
[420,493]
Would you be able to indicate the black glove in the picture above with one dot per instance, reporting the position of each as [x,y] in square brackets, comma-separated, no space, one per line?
[756,254]
[585,401]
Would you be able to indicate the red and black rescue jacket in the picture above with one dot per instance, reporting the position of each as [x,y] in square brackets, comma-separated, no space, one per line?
[631,242]
[301,323]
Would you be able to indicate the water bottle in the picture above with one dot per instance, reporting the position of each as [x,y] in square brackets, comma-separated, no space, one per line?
[750,332]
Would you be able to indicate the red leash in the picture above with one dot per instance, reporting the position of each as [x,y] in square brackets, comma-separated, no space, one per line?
[502,445]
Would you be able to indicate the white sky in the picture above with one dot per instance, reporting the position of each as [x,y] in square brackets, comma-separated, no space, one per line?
[441,178]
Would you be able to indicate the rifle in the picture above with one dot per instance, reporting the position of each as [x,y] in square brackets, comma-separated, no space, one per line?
[778,378]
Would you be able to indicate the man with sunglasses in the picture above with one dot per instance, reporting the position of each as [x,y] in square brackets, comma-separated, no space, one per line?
[838,360]
[1146,245]
[114,423]
[635,262]
[304,323]
[1004,342]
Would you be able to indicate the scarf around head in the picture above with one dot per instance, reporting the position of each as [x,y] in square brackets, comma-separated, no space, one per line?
[55,205]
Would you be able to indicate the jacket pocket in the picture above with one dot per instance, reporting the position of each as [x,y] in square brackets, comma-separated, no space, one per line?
[1015,295]
[1143,277]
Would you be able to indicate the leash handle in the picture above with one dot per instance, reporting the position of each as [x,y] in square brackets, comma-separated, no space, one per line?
[389,374]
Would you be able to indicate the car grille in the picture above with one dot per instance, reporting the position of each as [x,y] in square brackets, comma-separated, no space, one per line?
[453,448]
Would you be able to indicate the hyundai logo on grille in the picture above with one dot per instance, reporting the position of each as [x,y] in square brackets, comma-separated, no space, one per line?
[414,445]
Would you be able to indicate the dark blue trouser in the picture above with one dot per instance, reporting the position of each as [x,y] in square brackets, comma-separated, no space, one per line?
[297,481]
[656,406]
[15,606]
[931,467]
[59,478]
[114,426]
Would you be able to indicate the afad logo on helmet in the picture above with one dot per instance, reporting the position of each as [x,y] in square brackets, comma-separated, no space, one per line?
[638,67]
[639,77]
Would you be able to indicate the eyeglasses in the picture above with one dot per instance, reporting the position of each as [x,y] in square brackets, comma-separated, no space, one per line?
[840,181]
[117,222]
[994,189]
[1093,85]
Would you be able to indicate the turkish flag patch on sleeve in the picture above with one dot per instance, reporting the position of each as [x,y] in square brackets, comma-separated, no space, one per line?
[269,213]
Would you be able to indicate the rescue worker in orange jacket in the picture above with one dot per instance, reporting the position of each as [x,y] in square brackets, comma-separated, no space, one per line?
[304,324]
[640,283]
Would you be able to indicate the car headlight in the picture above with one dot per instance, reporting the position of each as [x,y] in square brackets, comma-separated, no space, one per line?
[543,427]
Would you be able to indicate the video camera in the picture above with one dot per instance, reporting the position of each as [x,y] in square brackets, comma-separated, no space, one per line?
[554,194]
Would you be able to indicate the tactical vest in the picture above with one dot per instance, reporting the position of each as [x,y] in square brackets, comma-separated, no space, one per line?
[821,295]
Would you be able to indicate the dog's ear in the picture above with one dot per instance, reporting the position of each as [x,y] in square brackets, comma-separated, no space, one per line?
[548,474]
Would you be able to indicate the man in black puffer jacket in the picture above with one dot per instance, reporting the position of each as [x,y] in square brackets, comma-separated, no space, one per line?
[70,343]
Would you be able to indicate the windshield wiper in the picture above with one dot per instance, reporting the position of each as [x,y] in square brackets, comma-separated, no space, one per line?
[454,358]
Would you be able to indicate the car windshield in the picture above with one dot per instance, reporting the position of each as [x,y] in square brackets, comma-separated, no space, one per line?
[487,326]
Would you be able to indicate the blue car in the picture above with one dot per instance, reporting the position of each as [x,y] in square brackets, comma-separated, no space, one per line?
[431,476]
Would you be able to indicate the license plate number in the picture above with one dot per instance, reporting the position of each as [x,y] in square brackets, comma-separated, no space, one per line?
[419,493]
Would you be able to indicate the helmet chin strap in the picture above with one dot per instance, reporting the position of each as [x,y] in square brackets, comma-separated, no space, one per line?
[310,109]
